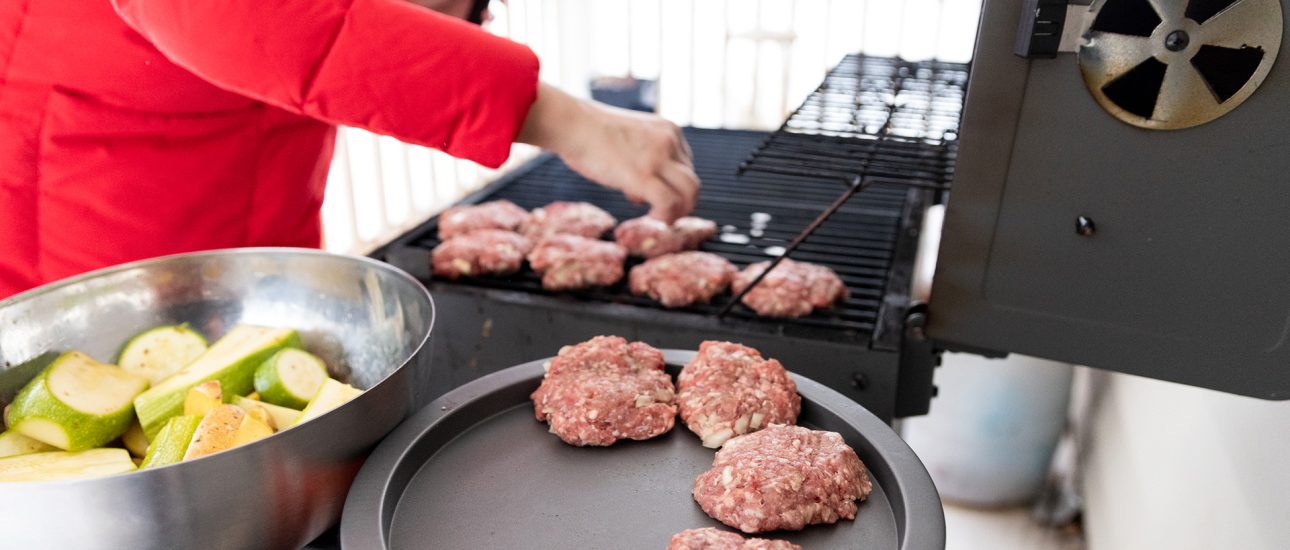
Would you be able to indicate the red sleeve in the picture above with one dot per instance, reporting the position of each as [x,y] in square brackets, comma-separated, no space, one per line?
[383,65]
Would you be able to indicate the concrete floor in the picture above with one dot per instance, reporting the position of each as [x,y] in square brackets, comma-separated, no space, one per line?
[1001,529]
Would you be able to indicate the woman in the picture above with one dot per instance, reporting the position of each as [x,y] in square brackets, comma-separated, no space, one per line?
[136,128]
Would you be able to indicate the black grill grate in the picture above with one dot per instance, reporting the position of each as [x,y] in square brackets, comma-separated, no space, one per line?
[886,121]
[758,213]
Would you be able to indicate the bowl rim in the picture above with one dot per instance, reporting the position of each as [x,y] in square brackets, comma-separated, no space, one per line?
[61,283]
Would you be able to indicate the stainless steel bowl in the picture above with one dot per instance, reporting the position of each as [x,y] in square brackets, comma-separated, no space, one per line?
[369,321]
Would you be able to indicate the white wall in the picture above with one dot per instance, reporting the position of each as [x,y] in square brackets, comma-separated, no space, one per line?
[1179,468]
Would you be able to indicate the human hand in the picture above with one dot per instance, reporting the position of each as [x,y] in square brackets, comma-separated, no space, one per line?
[644,156]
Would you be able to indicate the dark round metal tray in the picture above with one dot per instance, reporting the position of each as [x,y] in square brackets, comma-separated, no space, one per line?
[474,469]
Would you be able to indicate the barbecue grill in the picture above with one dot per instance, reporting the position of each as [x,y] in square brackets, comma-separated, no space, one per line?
[1115,203]
[869,240]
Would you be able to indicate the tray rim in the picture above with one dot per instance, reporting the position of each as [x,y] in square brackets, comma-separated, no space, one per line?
[369,507]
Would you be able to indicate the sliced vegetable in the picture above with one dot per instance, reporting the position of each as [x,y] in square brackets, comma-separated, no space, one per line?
[202,398]
[333,394]
[158,353]
[64,465]
[231,360]
[134,440]
[290,378]
[280,418]
[13,444]
[76,403]
[216,431]
[252,428]
[171,442]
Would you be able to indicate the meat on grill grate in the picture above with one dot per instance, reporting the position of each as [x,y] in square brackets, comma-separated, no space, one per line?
[498,214]
[481,252]
[568,262]
[568,218]
[648,237]
[792,289]
[682,279]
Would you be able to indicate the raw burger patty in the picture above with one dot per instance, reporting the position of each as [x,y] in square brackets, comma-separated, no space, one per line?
[568,218]
[483,252]
[694,230]
[570,262]
[783,477]
[792,289]
[729,390]
[499,214]
[648,237]
[678,280]
[711,538]
[604,390]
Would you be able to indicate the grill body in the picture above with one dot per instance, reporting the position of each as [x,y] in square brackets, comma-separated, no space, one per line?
[490,323]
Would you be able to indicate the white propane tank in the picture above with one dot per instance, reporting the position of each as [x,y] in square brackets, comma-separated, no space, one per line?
[990,436]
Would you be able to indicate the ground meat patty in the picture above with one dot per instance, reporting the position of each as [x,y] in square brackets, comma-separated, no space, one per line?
[793,289]
[498,214]
[678,280]
[483,252]
[648,237]
[729,390]
[568,218]
[711,538]
[604,390]
[569,262]
[783,477]
[694,231]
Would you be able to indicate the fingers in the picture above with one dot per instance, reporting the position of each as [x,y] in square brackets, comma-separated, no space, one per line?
[683,151]
[684,181]
[666,203]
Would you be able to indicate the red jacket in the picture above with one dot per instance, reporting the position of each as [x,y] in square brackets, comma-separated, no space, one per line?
[136,128]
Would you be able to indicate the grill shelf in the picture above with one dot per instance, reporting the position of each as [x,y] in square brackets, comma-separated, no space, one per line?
[872,122]
[884,120]
[765,210]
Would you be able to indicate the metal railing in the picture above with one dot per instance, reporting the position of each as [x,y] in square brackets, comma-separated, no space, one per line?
[718,63]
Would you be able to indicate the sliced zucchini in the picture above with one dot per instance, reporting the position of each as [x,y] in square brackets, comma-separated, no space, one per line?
[290,378]
[171,442]
[333,394]
[13,444]
[231,360]
[280,418]
[202,398]
[216,431]
[134,440]
[63,465]
[158,353]
[76,403]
